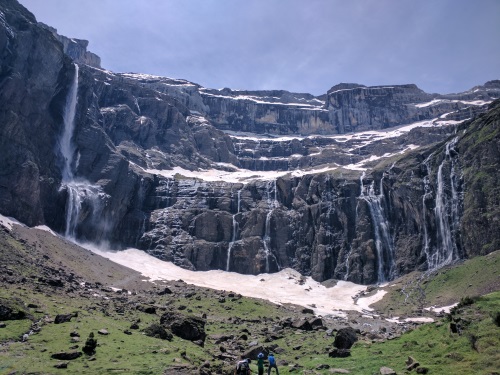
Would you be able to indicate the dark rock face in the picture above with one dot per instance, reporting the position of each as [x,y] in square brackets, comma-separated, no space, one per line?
[406,211]
[76,49]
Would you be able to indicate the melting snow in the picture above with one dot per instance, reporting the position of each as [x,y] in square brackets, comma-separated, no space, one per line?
[282,287]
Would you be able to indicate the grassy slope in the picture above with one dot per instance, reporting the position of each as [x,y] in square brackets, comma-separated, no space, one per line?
[432,345]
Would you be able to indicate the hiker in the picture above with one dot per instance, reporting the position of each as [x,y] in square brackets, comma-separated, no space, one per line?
[243,367]
[260,363]
[272,364]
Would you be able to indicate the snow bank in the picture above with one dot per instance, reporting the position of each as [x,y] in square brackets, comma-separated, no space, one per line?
[286,286]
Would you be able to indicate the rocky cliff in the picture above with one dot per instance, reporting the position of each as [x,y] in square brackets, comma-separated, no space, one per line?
[161,164]
[76,48]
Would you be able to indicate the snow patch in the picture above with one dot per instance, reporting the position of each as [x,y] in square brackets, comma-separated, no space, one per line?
[443,309]
[8,222]
[286,286]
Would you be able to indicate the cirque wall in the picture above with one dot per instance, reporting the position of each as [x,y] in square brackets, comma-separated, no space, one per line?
[80,147]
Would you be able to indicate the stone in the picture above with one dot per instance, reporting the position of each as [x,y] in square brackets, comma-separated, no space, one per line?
[3,325]
[345,338]
[411,363]
[158,331]
[66,356]
[103,332]
[90,345]
[8,312]
[61,365]
[339,353]
[166,290]
[302,324]
[387,371]
[187,327]
[63,318]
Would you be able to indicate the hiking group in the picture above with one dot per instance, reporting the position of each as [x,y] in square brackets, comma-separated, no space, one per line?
[243,366]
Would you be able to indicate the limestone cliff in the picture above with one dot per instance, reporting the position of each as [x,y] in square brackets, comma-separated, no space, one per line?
[157,163]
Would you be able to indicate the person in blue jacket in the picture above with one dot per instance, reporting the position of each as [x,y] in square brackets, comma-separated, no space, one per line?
[272,364]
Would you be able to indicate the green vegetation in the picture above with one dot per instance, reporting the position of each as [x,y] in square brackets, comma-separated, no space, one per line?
[474,347]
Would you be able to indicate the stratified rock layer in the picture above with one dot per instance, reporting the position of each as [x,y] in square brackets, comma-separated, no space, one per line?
[368,210]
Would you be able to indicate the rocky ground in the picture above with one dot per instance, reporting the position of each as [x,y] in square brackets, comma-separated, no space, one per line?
[51,282]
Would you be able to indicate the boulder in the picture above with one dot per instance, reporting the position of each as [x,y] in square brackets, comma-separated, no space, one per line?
[345,338]
[387,371]
[339,353]
[8,312]
[63,318]
[66,356]
[302,324]
[158,331]
[187,327]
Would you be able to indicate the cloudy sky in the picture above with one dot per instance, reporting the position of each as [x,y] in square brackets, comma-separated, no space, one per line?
[443,46]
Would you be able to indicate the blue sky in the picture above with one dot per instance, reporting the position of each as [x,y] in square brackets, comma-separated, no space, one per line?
[442,46]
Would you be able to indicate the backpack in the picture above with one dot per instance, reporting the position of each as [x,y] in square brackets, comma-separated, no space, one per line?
[242,367]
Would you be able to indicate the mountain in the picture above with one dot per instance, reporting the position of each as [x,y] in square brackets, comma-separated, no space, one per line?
[361,184]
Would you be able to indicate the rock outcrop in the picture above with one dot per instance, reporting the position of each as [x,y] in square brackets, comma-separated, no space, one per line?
[76,49]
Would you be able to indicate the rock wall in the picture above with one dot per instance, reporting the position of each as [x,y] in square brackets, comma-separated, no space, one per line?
[406,211]
[76,49]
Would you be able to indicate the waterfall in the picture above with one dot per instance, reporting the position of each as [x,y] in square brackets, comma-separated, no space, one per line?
[425,195]
[81,194]
[446,213]
[383,241]
[66,146]
[361,196]
[235,230]
[271,204]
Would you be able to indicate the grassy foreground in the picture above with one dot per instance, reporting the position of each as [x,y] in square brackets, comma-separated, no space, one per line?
[234,324]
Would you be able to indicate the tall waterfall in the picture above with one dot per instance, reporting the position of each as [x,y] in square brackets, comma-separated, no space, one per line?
[80,192]
[235,230]
[272,203]
[383,240]
[361,196]
[446,213]
[66,144]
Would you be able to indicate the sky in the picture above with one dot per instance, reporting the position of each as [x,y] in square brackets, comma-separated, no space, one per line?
[443,46]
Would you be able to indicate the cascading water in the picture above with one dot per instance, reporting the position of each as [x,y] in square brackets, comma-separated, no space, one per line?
[361,196]
[79,191]
[446,213]
[425,196]
[235,230]
[383,239]
[271,204]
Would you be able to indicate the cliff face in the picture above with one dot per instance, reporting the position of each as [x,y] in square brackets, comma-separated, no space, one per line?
[76,49]
[138,160]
